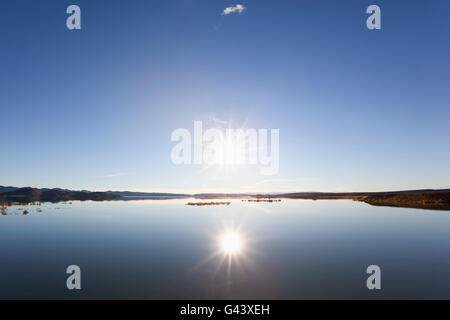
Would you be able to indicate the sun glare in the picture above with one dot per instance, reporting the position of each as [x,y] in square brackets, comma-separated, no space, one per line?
[229,150]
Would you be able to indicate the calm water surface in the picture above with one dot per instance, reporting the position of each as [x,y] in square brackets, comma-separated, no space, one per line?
[163,249]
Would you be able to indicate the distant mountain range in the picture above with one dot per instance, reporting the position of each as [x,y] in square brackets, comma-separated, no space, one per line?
[7,189]
[51,195]
[420,199]
[147,194]
[58,194]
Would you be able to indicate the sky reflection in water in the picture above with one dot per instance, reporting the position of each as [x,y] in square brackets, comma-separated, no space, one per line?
[164,249]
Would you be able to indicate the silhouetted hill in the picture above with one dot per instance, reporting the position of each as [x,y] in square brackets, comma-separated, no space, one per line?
[54,195]
[7,189]
[29,194]
[421,199]
[425,199]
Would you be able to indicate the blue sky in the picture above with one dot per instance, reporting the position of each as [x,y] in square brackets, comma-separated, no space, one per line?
[95,108]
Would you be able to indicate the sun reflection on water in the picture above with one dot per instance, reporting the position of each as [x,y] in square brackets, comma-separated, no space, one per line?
[231,243]
[230,249]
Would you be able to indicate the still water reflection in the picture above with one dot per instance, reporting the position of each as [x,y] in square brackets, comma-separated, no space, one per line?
[293,249]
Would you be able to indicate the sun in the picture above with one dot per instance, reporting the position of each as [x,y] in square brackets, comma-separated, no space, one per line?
[227,150]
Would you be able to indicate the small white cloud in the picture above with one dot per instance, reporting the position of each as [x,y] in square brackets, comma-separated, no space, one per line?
[239,8]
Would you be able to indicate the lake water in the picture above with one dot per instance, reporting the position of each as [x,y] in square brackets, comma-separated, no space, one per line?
[163,249]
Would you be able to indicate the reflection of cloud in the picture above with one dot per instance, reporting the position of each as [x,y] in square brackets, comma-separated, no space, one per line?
[239,8]
[112,175]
